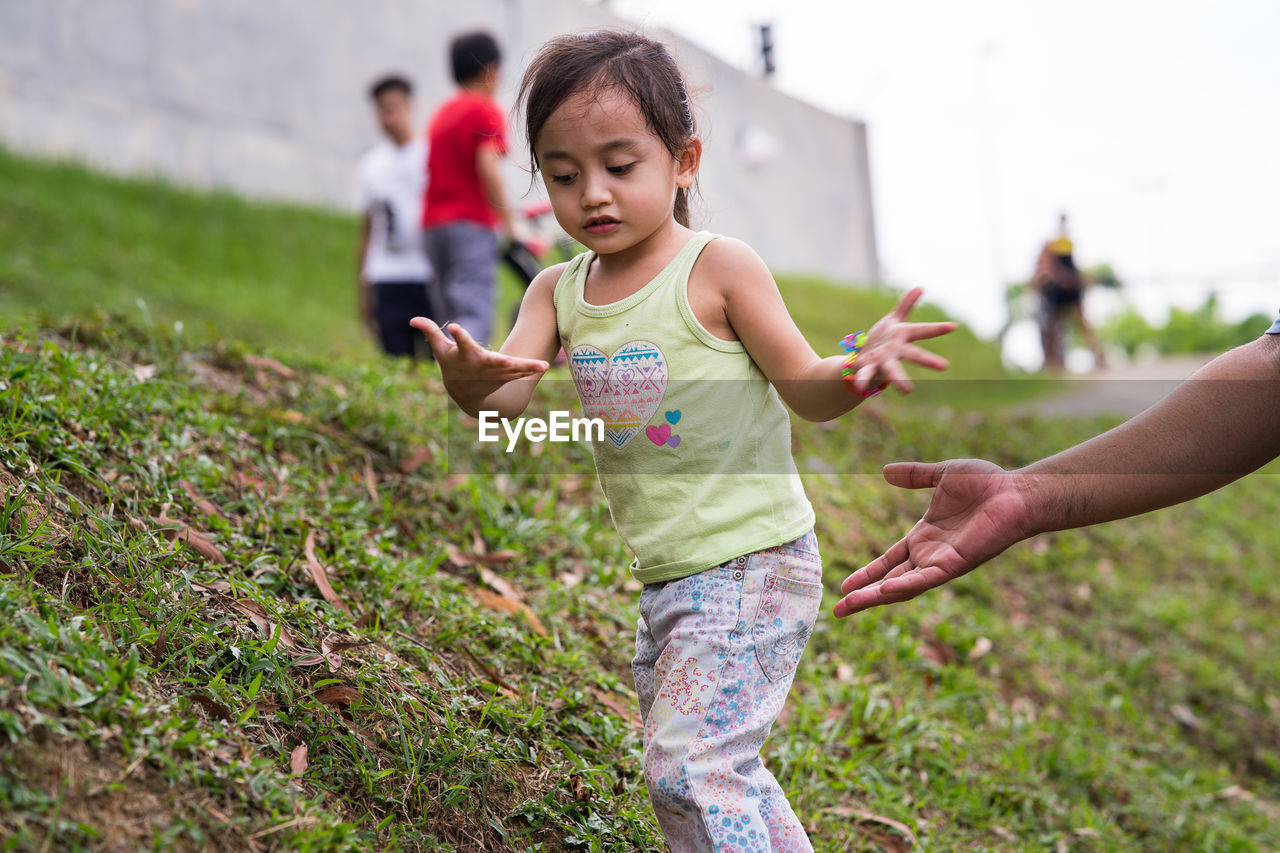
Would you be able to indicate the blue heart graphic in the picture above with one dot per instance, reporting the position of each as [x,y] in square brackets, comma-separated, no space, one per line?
[673,418]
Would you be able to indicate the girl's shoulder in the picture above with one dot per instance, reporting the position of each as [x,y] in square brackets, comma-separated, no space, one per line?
[550,279]
[729,250]
[728,263]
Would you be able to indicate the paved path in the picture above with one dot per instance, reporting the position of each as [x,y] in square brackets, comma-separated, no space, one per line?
[1124,390]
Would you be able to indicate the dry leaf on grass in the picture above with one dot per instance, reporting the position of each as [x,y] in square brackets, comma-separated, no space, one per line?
[211,588]
[981,646]
[261,362]
[318,573]
[214,708]
[936,651]
[456,557]
[205,506]
[262,621]
[492,674]
[298,760]
[331,657]
[618,706]
[256,612]
[330,650]
[504,604]
[908,838]
[338,695]
[415,460]
[500,584]
[370,482]
[197,541]
[159,646]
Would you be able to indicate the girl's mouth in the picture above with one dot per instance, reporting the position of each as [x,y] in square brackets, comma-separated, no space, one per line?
[602,225]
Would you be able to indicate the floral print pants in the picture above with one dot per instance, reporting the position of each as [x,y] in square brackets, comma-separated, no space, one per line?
[715,656]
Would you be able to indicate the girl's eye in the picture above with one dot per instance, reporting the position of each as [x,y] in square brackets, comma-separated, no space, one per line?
[562,179]
[621,170]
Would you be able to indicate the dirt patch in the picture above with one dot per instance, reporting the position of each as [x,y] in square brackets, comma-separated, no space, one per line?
[112,805]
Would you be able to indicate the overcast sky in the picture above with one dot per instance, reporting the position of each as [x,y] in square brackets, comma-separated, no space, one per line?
[1155,125]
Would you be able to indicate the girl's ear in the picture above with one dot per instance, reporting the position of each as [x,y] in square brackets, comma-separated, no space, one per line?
[687,163]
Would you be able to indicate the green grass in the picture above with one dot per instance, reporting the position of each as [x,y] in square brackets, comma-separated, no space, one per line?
[72,241]
[1107,689]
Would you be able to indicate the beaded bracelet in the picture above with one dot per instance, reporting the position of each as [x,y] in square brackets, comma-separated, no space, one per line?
[853,345]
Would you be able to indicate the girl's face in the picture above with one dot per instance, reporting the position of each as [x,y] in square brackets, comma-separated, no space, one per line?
[611,181]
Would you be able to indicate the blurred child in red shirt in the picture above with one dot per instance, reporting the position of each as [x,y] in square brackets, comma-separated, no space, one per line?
[465,205]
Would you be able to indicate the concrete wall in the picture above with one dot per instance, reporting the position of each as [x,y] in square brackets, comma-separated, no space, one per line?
[268,99]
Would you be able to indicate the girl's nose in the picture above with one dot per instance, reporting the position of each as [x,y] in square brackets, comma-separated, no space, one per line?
[595,191]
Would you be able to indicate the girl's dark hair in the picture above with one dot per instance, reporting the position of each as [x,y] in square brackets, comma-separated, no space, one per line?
[604,60]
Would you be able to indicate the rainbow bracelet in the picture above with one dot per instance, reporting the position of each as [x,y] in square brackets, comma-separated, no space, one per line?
[853,345]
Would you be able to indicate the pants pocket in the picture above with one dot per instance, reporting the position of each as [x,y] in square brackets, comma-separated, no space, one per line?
[784,620]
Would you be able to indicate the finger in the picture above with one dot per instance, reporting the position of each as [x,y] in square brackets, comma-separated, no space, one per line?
[920,331]
[866,377]
[463,338]
[876,569]
[907,302]
[435,336]
[902,584]
[893,373]
[520,371]
[425,325]
[508,359]
[924,358]
[913,475]
[528,366]
[865,599]
[912,583]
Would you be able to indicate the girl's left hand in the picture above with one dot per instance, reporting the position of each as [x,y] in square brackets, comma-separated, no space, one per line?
[889,343]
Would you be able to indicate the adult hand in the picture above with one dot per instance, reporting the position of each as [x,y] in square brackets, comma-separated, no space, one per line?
[978,510]
[889,342]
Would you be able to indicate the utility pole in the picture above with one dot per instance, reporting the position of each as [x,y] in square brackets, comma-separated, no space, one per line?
[766,49]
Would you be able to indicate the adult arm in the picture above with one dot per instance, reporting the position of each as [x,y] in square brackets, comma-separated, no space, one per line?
[1219,425]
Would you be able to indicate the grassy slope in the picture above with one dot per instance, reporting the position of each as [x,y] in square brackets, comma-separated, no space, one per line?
[1110,689]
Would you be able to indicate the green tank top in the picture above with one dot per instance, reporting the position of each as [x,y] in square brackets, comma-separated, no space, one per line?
[696,458]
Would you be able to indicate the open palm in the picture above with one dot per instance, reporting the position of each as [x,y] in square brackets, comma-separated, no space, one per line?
[462,359]
[976,512]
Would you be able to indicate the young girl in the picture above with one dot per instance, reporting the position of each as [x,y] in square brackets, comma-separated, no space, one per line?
[681,343]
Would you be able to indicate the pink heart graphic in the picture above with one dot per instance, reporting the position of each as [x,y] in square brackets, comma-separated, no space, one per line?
[660,434]
[624,390]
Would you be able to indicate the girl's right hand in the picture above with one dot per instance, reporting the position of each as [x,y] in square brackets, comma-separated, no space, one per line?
[890,342]
[462,359]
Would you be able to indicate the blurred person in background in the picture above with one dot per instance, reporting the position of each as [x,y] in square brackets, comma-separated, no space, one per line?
[465,203]
[1060,287]
[394,272]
